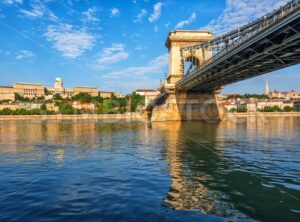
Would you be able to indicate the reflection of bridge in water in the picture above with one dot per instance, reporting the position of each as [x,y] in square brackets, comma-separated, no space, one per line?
[209,170]
[267,44]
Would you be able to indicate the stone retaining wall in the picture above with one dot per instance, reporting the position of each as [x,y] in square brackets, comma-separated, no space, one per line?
[266,114]
[112,117]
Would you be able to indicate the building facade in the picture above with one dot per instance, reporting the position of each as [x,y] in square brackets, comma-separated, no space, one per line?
[256,105]
[106,95]
[34,90]
[270,103]
[275,94]
[7,93]
[93,91]
[285,95]
[58,88]
[29,90]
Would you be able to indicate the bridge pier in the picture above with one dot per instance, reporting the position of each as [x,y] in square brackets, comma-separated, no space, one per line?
[187,106]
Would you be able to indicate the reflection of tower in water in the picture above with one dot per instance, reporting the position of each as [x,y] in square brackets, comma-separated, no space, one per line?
[186,192]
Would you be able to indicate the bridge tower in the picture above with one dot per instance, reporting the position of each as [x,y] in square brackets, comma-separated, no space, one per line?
[178,105]
[177,59]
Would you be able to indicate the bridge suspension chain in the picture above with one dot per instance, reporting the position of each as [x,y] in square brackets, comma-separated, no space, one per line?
[222,44]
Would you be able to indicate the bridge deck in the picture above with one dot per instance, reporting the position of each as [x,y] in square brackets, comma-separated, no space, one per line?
[273,48]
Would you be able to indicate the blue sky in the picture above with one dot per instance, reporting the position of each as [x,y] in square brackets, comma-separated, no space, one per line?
[116,45]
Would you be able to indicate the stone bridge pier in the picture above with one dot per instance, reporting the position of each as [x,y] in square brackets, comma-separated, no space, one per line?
[186,106]
[176,105]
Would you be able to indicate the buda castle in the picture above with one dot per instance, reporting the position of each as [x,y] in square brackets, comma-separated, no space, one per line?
[34,90]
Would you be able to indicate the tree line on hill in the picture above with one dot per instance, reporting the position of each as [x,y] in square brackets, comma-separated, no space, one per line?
[265,109]
[114,105]
[248,96]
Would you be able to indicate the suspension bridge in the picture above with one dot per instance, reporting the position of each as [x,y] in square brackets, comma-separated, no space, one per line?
[267,44]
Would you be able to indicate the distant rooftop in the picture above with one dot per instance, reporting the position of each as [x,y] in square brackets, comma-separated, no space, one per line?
[193,31]
[105,92]
[26,83]
[90,87]
[145,90]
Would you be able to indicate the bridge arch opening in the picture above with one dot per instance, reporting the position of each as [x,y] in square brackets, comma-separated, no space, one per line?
[190,63]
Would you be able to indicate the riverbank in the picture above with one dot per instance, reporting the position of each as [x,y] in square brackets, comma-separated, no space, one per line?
[263,114]
[132,117]
[99,117]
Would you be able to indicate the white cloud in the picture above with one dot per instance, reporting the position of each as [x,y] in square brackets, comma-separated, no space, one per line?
[89,15]
[1,15]
[24,54]
[155,28]
[146,77]
[140,16]
[183,23]
[237,13]
[70,42]
[155,66]
[38,10]
[156,12]
[4,52]
[115,12]
[110,55]
[10,2]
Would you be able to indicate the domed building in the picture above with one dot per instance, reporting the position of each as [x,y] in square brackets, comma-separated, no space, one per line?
[58,84]
[58,88]
[64,92]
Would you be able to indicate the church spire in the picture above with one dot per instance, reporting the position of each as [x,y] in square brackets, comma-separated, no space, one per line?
[267,90]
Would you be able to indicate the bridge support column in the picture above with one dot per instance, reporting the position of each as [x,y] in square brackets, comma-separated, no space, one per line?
[186,106]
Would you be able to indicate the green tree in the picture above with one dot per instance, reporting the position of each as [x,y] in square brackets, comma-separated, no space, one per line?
[289,109]
[66,108]
[248,96]
[136,100]
[271,109]
[6,111]
[242,109]
[20,98]
[107,106]
[97,99]
[20,112]
[83,97]
[233,110]
[276,109]
[44,107]
[57,96]
[41,98]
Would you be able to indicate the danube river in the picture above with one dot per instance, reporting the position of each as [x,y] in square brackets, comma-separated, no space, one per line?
[244,170]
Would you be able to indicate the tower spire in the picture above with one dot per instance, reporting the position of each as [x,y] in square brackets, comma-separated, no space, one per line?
[267,90]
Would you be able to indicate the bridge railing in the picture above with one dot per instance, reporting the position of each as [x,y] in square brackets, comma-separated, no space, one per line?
[225,43]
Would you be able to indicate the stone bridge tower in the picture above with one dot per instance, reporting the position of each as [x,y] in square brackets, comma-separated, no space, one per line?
[178,39]
[178,105]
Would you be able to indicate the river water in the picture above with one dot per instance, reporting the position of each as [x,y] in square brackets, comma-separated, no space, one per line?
[243,170]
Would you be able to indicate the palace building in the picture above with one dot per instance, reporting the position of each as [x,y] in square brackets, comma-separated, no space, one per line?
[58,87]
[93,91]
[34,90]
[29,90]
[7,93]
